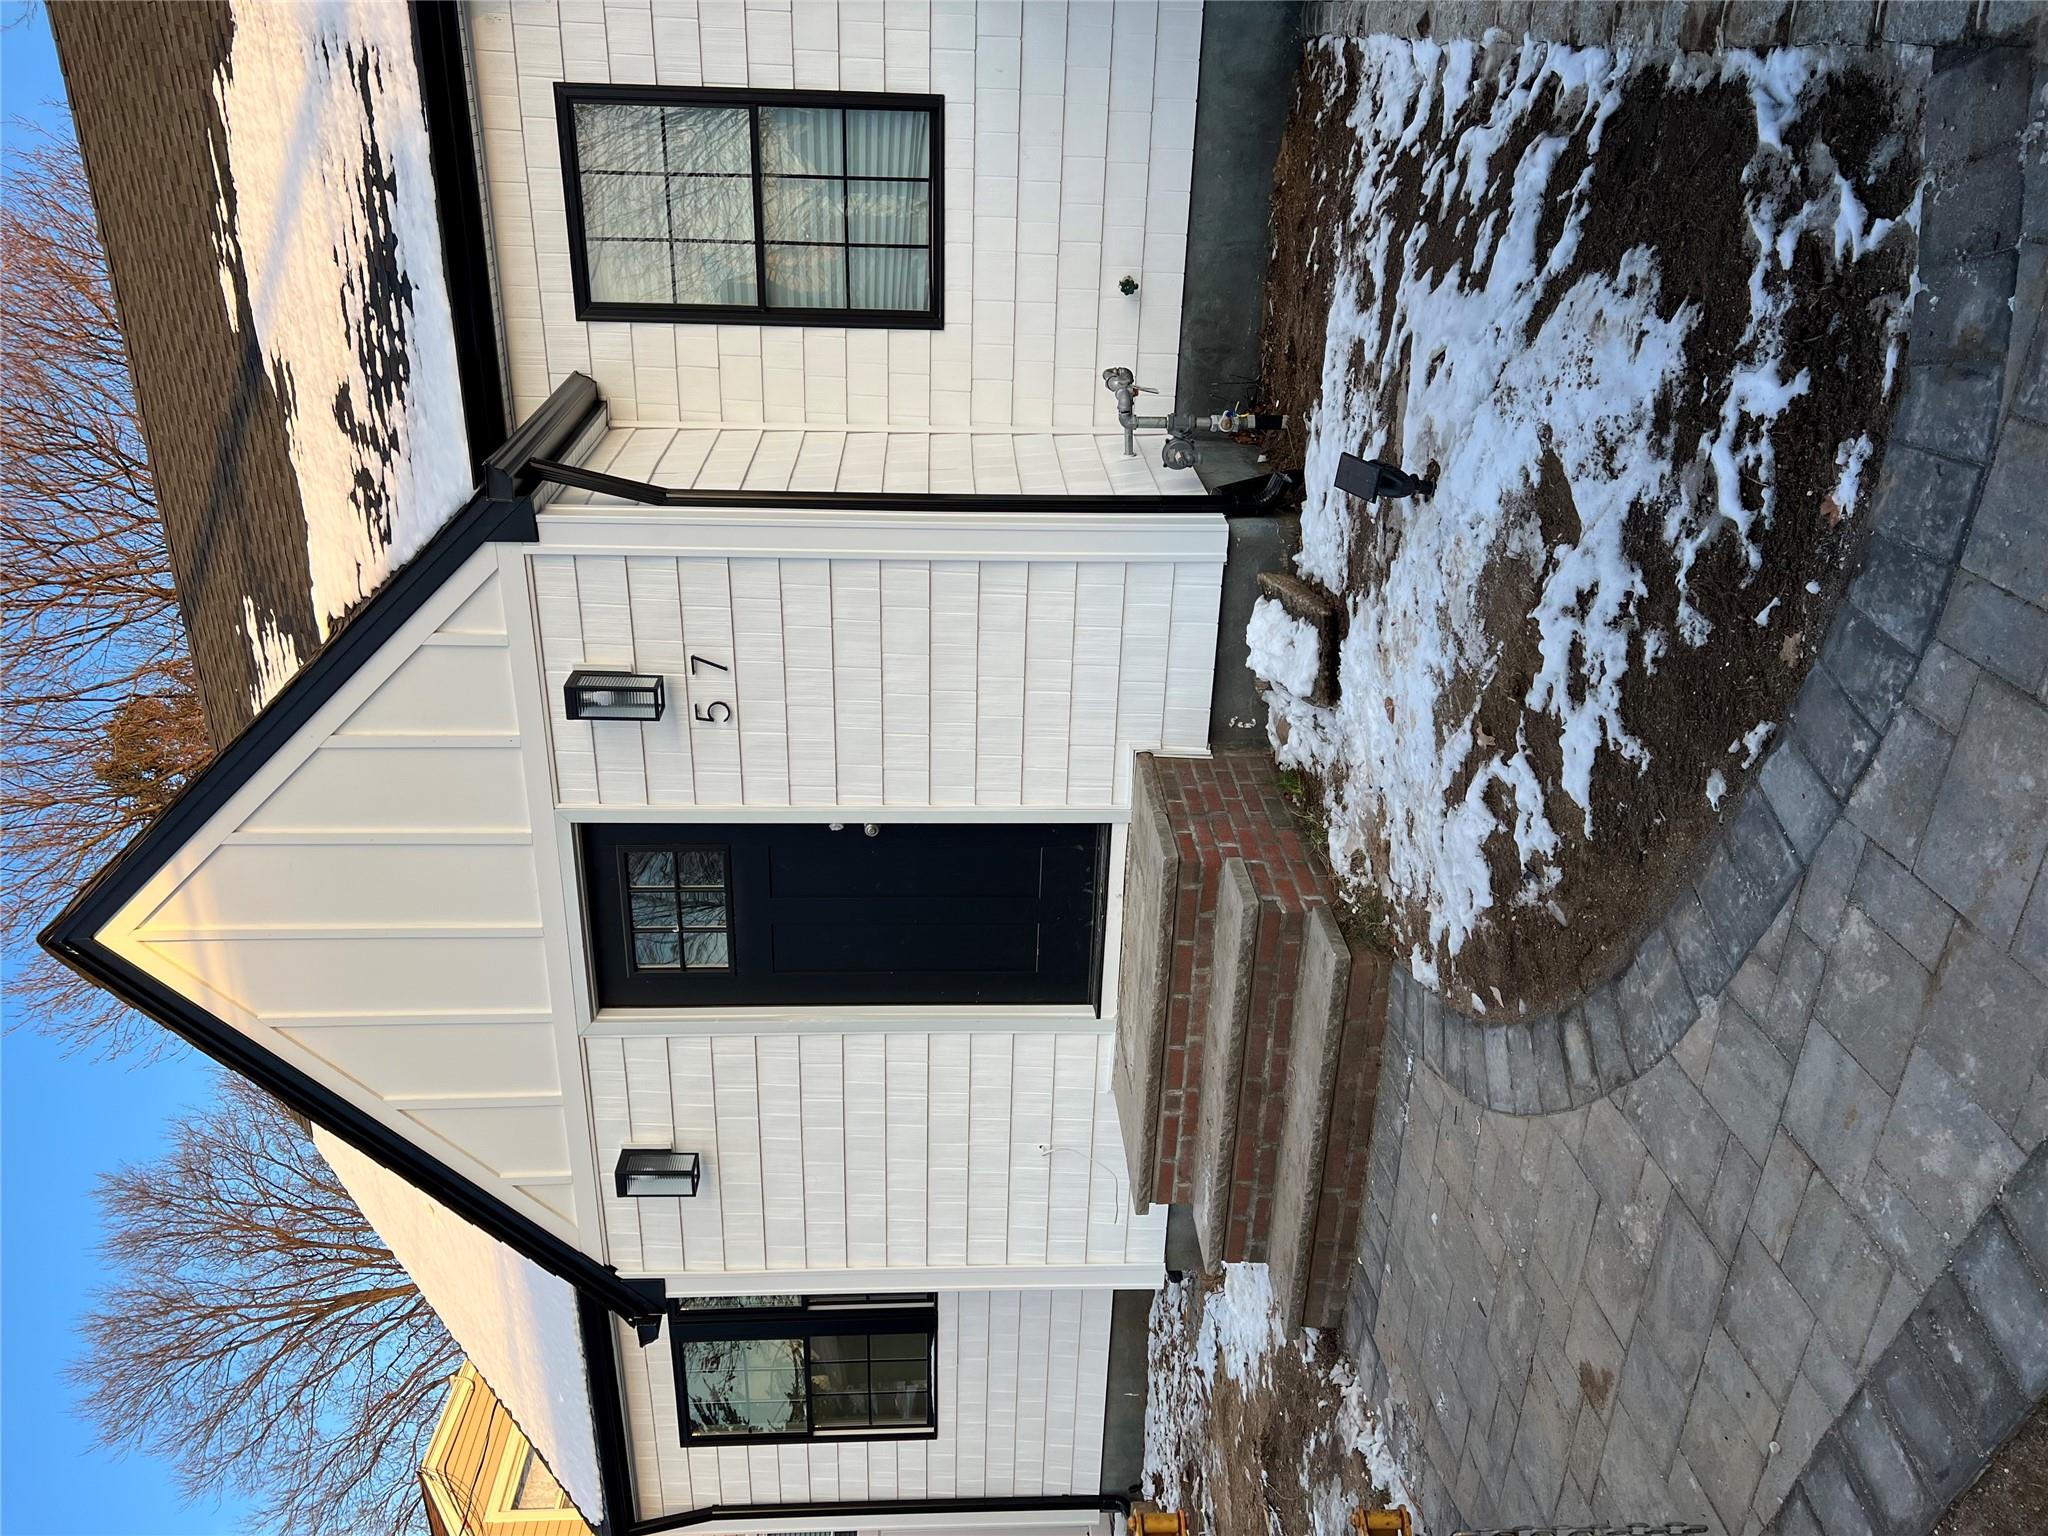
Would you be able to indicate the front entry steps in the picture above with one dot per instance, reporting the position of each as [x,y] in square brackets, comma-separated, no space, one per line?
[1249,1030]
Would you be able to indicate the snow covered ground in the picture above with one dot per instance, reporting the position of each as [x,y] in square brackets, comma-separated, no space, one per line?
[1523,369]
[1243,1426]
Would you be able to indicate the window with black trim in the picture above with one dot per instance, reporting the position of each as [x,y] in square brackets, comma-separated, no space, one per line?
[778,1368]
[777,207]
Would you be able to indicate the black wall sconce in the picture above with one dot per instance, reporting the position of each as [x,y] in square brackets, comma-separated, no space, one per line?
[644,1171]
[614,696]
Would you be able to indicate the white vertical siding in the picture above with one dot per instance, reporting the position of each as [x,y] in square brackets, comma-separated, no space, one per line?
[1066,160]
[1020,1386]
[861,682]
[369,908]
[827,1150]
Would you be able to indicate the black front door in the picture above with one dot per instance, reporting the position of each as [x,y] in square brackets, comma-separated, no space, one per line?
[760,914]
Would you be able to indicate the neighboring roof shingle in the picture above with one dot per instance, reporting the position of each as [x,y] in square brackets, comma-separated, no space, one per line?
[140,80]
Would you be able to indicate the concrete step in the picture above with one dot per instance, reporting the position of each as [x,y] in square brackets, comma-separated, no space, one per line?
[1223,1166]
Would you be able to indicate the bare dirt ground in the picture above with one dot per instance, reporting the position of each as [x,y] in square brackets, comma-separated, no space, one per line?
[1671,170]
[2012,1495]
[1251,1435]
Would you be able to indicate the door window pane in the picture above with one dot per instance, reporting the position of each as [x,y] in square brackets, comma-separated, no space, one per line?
[679,909]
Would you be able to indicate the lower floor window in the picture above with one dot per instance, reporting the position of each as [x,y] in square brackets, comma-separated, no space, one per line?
[795,1369]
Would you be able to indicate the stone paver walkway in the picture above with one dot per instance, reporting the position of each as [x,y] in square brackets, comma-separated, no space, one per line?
[1666,1301]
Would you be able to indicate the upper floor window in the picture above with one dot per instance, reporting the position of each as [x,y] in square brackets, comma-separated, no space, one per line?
[776,207]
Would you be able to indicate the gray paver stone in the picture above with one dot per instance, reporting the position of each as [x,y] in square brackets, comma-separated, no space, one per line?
[1924,499]
[1500,1091]
[1746,1080]
[2025,1204]
[1766,1318]
[1837,1267]
[1746,883]
[1581,1078]
[1975,105]
[1973,210]
[1900,590]
[1602,1008]
[1941,688]
[2002,1286]
[1564,1221]
[1900,1225]
[1873,668]
[1779,1190]
[1830,875]
[1796,1518]
[1989,827]
[1683,1133]
[1553,1084]
[1952,1338]
[1966,312]
[1522,1086]
[1998,631]
[1835,738]
[1835,1109]
[1833,21]
[1734,1188]
[1656,1009]
[1791,1007]
[1951,408]
[1755,981]
[1926,1421]
[1803,804]
[1897,1497]
[1871,999]
[1624,1238]
[1805,1420]
[1891,1316]
[2009,540]
[1904,908]
[1723,1459]
[1993,1024]
[1829,1373]
[1894,799]
[2030,939]
[1835,1498]
[1707,961]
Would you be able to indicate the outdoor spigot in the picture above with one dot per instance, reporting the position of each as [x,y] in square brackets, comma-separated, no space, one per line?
[1124,384]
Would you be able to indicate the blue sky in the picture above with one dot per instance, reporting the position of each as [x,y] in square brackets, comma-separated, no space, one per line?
[64,1121]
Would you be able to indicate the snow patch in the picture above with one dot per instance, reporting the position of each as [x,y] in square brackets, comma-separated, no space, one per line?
[1284,650]
[517,1323]
[275,653]
[332,241]
[1850,459]
[1717,787]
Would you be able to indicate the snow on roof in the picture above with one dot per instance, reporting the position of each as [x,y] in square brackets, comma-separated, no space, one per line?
[516,1322]
[326,221]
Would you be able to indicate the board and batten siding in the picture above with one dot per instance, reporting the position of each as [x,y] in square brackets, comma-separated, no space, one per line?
[368,908]
[1022,1378]
[1067,160]
[881,682]
[903,1150]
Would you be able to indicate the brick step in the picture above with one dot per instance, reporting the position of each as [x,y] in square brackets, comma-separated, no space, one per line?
[1340,1013]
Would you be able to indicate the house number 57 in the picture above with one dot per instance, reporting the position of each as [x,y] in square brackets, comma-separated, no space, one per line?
[718,711]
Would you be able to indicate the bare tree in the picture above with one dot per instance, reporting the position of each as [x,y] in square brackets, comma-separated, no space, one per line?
[262,1334]
[100,715]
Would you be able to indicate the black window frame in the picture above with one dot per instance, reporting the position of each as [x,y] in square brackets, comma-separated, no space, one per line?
[570,94]
[627,889]
[812,1317]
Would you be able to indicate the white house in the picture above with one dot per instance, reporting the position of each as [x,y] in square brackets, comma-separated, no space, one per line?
[753,351]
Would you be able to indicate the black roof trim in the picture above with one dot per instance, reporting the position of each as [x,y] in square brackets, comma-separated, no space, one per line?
[443,61]
[502,511]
